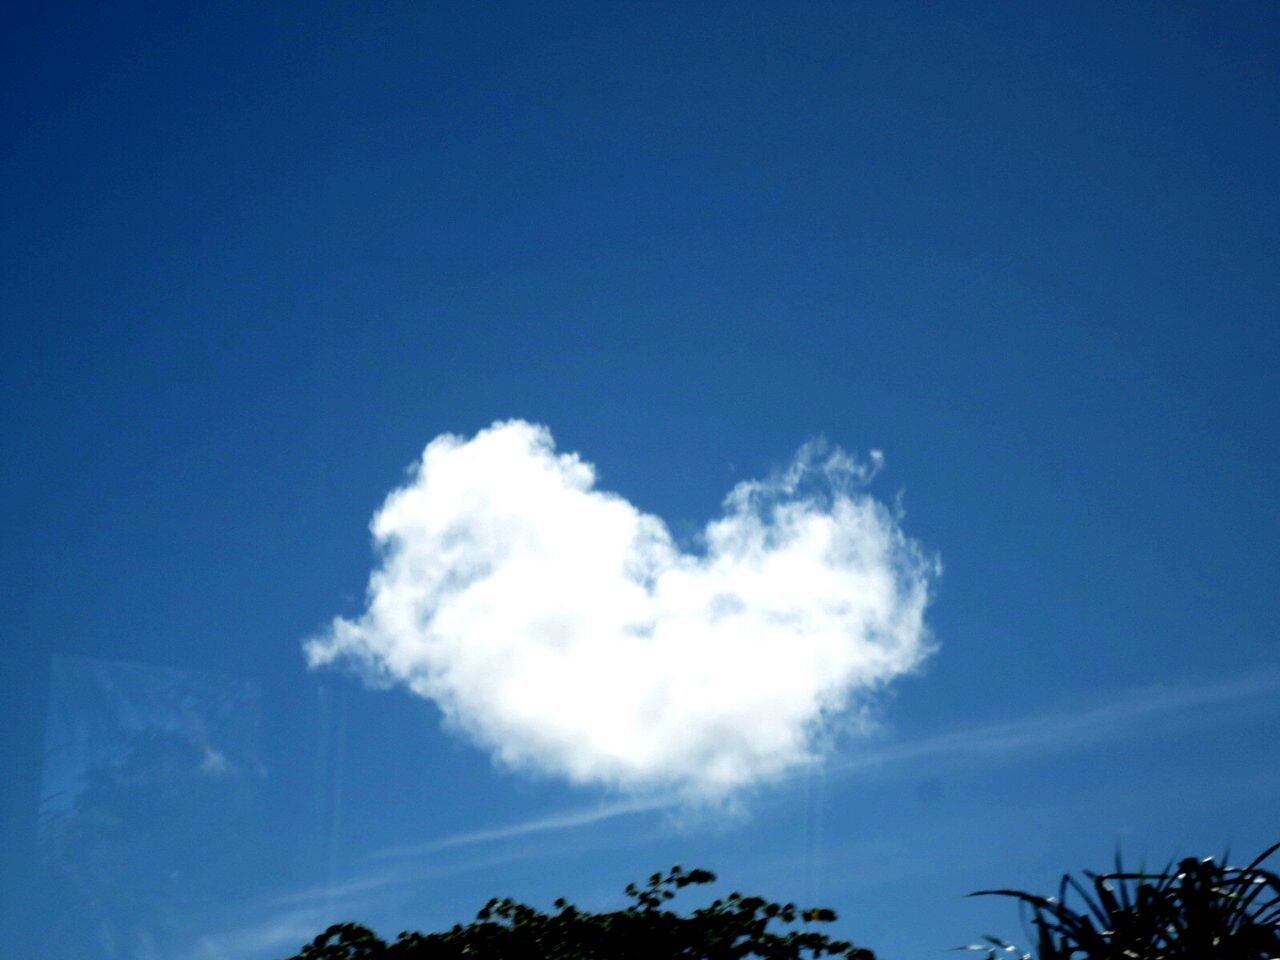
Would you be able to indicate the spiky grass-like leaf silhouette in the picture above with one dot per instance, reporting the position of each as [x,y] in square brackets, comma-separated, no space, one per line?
[1196,910]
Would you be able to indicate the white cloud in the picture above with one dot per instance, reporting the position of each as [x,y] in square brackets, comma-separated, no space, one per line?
[565,630]
[215,763]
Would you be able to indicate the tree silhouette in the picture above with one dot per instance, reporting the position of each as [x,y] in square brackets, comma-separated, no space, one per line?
[729,929]
[1196,910]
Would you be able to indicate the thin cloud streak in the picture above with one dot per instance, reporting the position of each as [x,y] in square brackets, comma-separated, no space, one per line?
[300,914]
[281,931]
[1133,712]
[568,820]
[389,877]
[995,741]
[1063,731]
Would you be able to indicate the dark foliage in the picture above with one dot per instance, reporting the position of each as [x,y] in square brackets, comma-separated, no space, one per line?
[1198,910]
[736,927]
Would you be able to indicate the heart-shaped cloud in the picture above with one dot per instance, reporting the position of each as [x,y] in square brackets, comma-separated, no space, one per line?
[565,630]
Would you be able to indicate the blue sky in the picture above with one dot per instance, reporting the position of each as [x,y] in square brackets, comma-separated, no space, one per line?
[256,259]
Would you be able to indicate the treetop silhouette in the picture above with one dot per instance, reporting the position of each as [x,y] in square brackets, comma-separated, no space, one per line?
[726,929]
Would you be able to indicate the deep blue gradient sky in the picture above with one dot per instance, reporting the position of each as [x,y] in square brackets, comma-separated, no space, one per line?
[256,257]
